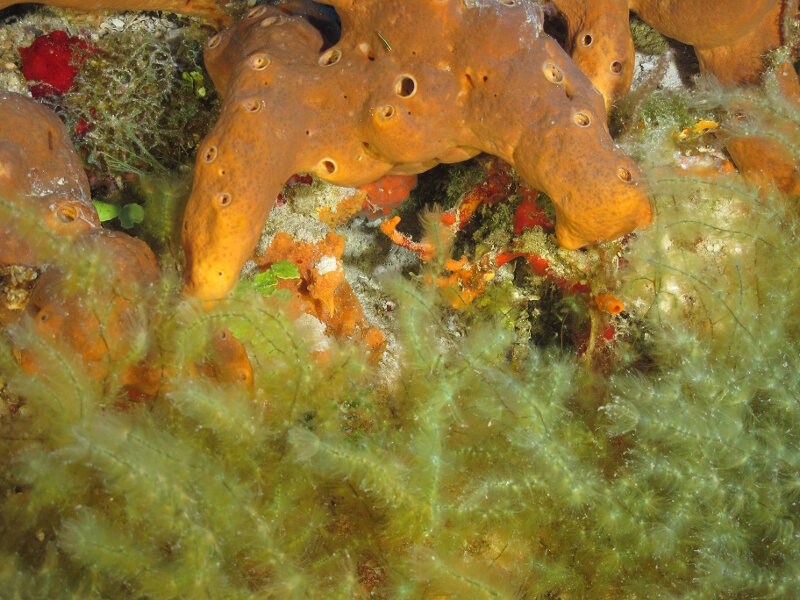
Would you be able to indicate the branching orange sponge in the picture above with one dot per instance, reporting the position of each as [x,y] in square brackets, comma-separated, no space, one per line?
[407,86]
[730,37]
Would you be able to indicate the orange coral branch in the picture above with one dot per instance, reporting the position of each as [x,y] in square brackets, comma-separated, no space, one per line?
[423,249]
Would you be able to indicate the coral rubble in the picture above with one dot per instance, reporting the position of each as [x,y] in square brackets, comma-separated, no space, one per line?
[402,90]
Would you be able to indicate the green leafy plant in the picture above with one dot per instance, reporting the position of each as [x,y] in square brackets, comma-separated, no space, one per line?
[129,215]
[266,282]
[196,80]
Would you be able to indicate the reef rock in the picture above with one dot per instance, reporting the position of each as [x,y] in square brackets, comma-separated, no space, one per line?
[408,85]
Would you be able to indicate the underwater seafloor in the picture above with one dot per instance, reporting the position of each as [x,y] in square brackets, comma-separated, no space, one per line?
[621,421]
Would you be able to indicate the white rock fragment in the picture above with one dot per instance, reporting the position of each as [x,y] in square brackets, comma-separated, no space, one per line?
[327,264]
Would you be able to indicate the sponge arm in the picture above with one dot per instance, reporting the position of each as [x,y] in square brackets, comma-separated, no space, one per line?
[235,187]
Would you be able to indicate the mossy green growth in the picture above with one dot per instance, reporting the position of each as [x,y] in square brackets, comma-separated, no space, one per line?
[163,198]
[646,39]
[493,225]
[671,117]
[443,186]
[674,474]
[666,109]
[671,481]
[461,178]
[136,105]
[788,52]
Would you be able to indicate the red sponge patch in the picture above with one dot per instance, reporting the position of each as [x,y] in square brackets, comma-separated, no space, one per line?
[52,62]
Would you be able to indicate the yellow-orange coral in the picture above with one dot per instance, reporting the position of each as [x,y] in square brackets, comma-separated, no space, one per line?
[764,160]
[373,200]
[609,303]
[600,43]
[227,360]
[389,228]
[100,327]
[730,37]
[466,281]
[408,85]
